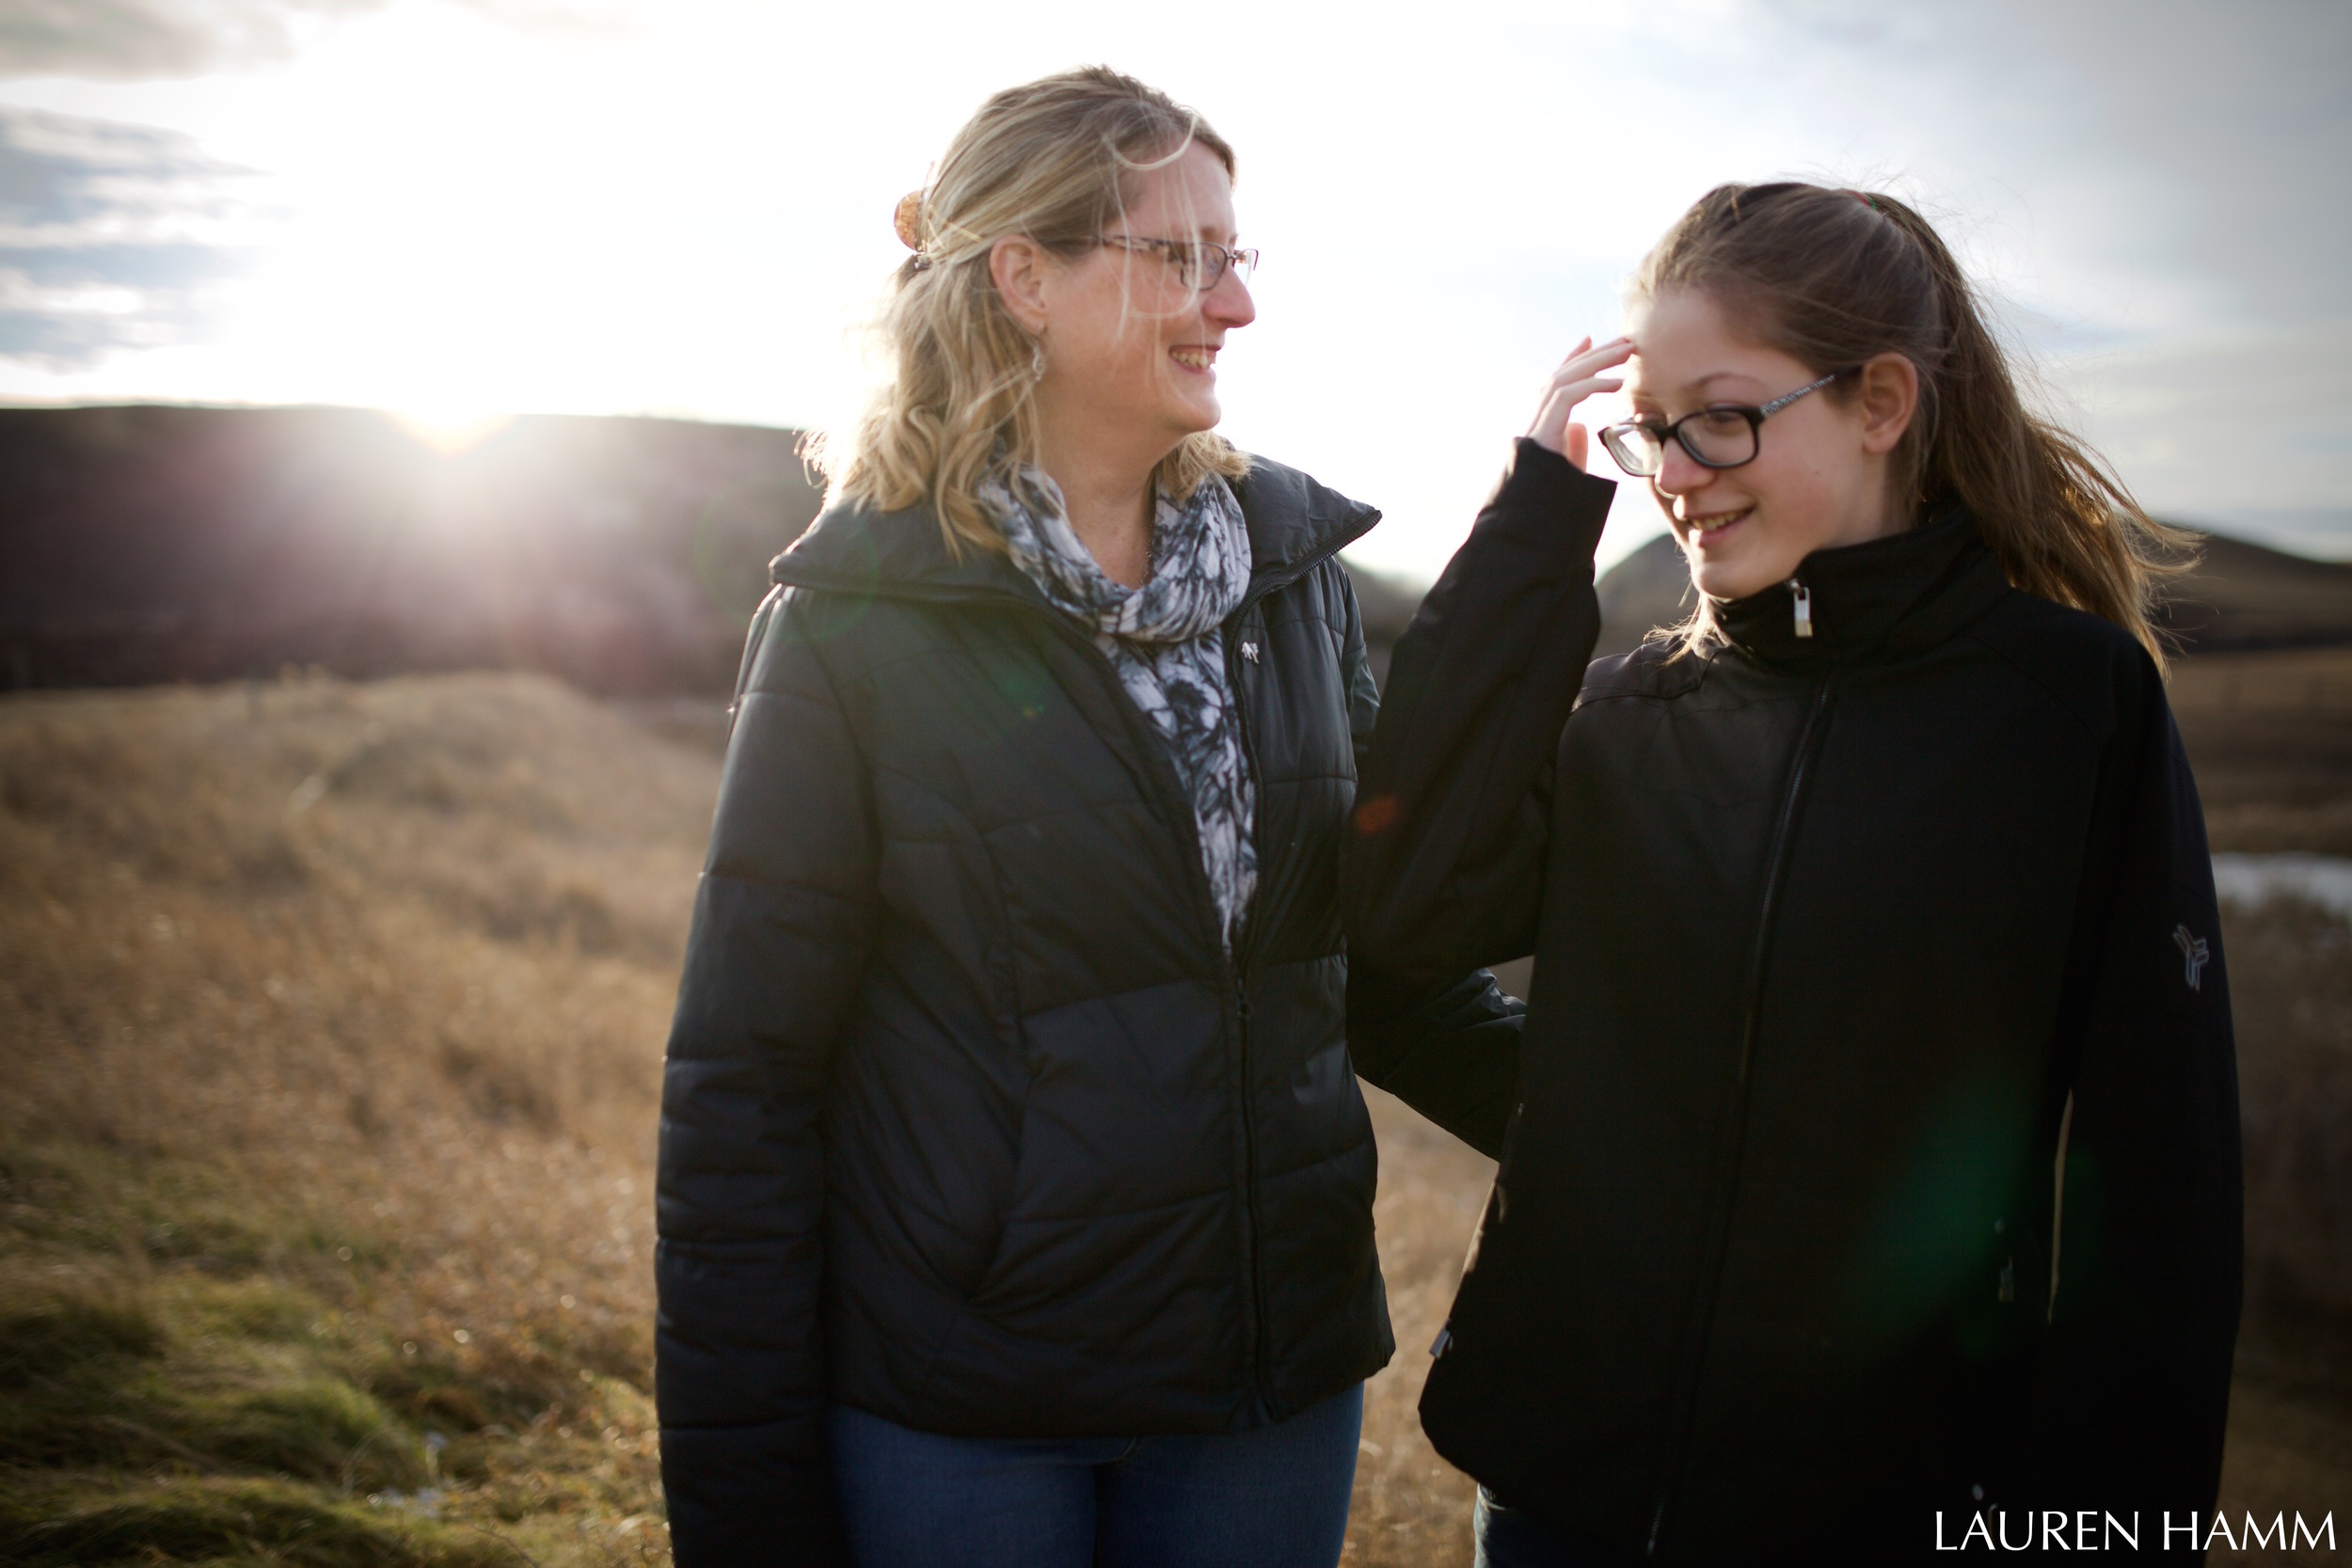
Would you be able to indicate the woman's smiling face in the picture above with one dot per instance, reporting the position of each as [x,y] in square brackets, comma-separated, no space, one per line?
[1122,336]
[1820,475]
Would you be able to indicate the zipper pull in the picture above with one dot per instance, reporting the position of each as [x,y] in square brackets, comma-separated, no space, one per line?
[1804,600]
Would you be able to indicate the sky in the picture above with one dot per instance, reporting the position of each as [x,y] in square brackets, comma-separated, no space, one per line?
[458,209]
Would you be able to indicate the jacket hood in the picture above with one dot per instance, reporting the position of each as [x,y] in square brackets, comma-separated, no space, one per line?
[1294,522]
[1886,598]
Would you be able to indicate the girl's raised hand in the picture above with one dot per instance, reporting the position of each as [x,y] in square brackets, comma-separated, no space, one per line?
[1579,376]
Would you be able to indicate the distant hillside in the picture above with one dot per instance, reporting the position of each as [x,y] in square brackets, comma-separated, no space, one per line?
[1647,588]
[143,544]
[2240,597]
[1650,586]
[146,545]
[2245,595]
[163,544]
[1387,602]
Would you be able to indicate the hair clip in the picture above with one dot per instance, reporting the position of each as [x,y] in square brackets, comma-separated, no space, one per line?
[907,220]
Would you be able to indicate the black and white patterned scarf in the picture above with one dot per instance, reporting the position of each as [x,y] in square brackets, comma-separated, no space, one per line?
[1162,641]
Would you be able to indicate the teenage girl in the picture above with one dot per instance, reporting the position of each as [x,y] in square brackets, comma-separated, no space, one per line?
[1870,1175]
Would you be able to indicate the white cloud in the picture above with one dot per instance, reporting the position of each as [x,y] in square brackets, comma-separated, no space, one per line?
[131,40]
[134,40]
[2212,426]
[112,238]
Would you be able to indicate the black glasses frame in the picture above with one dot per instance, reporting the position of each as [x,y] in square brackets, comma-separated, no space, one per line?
[1199,264]
[1616,435]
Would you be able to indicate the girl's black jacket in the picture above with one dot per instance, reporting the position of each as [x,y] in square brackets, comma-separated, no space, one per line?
[1874,1150]
[969,1120]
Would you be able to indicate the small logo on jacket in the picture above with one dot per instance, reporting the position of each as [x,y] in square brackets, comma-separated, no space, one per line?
[2193,955]
[1250,652]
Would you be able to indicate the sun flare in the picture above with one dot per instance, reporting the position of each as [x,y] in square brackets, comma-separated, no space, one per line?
[451,431]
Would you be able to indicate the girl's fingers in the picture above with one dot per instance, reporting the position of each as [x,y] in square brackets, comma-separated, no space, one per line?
[1585,360]
[1584,367]
[1577,379]
[1551,421]
[1569,394]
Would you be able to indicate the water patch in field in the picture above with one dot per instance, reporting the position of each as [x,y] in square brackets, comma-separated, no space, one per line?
[2324,879]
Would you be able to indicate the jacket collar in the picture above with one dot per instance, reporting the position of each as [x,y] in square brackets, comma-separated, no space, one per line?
[1885,599]
[1294,522]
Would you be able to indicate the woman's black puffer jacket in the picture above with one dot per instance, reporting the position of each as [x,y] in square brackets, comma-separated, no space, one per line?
[1876,1154]
[969,1120]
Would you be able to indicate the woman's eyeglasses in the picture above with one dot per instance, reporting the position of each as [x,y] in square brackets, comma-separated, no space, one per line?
[1723,436]
[1200,265]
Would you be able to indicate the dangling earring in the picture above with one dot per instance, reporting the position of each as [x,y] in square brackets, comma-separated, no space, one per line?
[1036,361]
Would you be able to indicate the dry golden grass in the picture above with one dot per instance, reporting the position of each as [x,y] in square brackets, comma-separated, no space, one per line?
[345,1003]
[332,1019]
[2291,992]
[1410,1506]
[2270,736]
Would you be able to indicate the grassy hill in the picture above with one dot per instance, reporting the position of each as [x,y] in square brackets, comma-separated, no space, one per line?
[333,1015]
[333,1019]
[2245,596]
[2241,596]
[157,543]
[150,543]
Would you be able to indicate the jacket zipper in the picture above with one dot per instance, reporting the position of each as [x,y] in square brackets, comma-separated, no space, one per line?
[1263,1368]
[1238,967]
[1719,1240]
[1179,805]
[1236,959]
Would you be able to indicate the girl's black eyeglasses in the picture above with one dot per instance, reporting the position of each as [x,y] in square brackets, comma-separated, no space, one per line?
[1722,436]
[1200,265]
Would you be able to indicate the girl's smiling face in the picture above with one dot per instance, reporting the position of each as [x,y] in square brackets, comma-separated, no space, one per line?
[1821,475]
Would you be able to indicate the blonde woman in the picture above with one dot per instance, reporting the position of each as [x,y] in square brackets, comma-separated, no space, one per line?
[1016,1190]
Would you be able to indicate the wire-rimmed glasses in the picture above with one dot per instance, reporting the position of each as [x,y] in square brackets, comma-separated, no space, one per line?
[1200,265]
[1722,435]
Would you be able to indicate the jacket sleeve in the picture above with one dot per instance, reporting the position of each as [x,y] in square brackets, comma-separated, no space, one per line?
[1443,869]
[783,920]
[1447,1047]
[2133,1391]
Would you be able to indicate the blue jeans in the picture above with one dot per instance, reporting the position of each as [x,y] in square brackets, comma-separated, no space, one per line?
[1276,1498]
[1513,1538]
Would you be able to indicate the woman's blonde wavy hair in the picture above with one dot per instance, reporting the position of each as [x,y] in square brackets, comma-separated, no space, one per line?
[1055,160]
